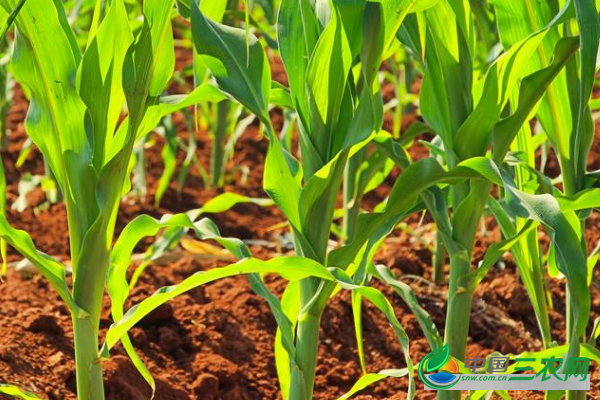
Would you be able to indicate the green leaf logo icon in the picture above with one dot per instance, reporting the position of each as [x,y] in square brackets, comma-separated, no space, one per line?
[437,359]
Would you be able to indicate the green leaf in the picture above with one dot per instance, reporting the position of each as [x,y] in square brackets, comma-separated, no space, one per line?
[371,378]
[532,89]
[14,391]
[502,77]
[589,31]
[358,329]
[282,181]
[496,251]
[383,305]
[145,226]
[371,52]
[290,268]
[149,63]
[101,78]
[291,307]
[446,99]
[204,93]
[595,332]
[45,63]
[394,12]
[408,296]
[317,203]
[51,269]
[10,19]
[530,269]
[297,32]
[241,71]
[171,237]
[327,90]
[352,15]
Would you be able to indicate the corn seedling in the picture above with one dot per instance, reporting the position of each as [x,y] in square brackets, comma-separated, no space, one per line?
[469,118]
[339,111]
[565,117]
[76,102]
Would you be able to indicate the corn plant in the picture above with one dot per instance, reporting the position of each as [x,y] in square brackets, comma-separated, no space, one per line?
[76,102]
[469,119]
[566,120]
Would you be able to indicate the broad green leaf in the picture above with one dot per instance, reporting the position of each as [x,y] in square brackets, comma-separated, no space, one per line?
[149,63]
[241,71]
[282,182]
[371,51]
[367,119]
[502,77]
[373,172]
[327,91]
[101,78]
[583,200]
[281,97]
[394,12]
[533,87]
[45,63]
[446,99]
[297,33]
[352,14]
[213,9]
